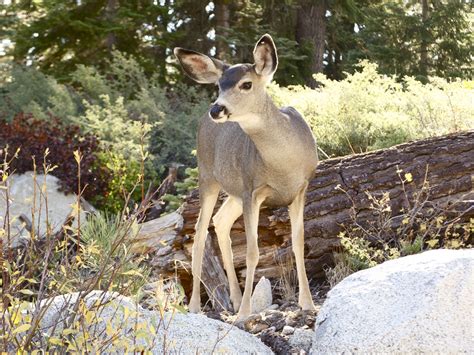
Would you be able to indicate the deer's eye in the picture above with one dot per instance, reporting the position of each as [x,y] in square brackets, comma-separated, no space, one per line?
[246,86]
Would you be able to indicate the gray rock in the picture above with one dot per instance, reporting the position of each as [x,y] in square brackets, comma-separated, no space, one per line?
[301,339]
[21,191]
[138,329]
[262,296]
[416,304]
[287,330]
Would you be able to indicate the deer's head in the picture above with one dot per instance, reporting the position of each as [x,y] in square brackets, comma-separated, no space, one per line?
[242,87]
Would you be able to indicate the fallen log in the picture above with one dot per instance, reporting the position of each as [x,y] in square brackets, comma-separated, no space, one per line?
[429,176]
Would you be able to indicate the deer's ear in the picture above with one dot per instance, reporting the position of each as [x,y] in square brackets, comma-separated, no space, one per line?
[200,67]
[265,56]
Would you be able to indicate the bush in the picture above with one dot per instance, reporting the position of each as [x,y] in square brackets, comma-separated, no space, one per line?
[126,176]
[30,91]
[112,105]
[126,96]
[183,188]
[34,136]
[174,139]
[367,110]
[108,234]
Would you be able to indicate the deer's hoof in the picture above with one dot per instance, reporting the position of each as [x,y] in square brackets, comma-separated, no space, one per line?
[236,302]
[194,308]
[243,315]
[307,305]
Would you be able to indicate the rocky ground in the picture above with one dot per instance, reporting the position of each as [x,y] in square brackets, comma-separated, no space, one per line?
[283,327]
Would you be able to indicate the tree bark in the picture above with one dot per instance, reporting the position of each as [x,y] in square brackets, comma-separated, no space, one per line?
[339,199]
[424,42]
[311,28]
[214,278]
[222,13]
[110,12]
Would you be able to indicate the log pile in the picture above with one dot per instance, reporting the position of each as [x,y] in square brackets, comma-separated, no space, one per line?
[339,197]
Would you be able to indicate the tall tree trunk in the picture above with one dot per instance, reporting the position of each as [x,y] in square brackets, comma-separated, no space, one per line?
[110,13]
[424,42]
[222,13]
[311,28]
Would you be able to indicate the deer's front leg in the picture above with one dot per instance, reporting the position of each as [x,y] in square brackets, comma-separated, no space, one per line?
[296,211]
[208,198]
[251,206]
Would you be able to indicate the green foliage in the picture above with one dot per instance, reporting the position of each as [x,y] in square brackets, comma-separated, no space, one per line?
[110,122]
[368,110]
[395,34]
[115,110]
[106,234]
[174,139]
[182,189]
[135,118]
[91,83]
[56,36]
[30,91]
[124,182]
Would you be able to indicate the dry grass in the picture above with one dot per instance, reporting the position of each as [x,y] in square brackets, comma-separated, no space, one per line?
[287,283]
[92,256]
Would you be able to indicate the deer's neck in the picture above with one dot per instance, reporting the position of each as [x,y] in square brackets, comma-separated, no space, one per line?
[270,130]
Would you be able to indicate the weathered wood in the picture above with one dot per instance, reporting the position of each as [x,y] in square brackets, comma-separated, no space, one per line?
[337,199]
[158,235]
[214,278]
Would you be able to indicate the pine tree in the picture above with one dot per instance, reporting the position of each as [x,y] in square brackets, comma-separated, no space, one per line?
[62,34]
[418,38]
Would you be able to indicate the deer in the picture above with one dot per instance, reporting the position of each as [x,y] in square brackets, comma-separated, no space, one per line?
[258,154]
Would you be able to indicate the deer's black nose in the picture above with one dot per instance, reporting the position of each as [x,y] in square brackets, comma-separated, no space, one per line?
[216,111]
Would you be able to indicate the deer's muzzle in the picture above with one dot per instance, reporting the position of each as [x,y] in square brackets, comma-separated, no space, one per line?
[218,111]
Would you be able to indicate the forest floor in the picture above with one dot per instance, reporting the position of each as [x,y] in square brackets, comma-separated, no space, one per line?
[283,327]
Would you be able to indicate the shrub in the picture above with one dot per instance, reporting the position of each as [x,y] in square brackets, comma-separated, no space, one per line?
[34,136]
[126,174]
[174,138]
[367,110]
[183,188]
[111,105]
[421,226]
[106,234]
[30,91]
[111,124]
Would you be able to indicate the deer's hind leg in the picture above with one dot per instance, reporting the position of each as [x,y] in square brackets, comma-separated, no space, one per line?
[296,211]
[208,194]
[223,221]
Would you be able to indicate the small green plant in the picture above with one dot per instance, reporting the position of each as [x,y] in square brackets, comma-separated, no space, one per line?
[106,234]
[182,189]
